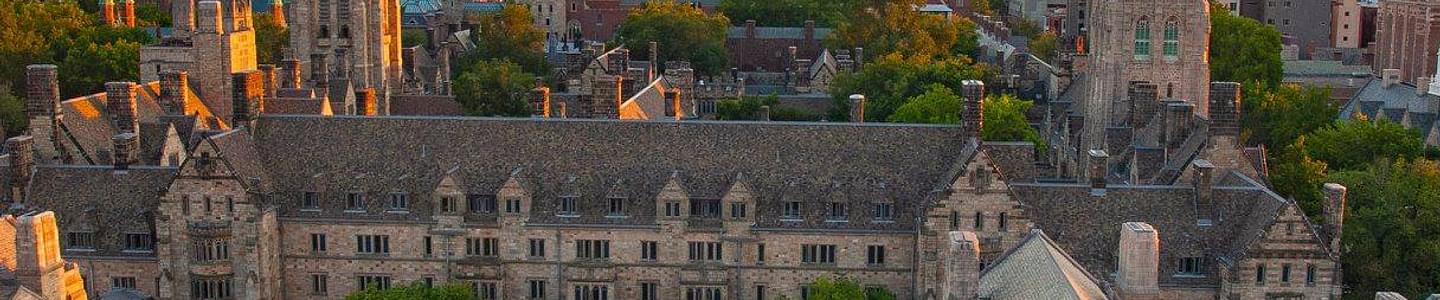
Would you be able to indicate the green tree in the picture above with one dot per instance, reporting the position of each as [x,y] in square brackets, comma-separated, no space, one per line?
[891,81]
[1243,50]
[1392,229]
[1295,174]
[12,112]
[415,291]
[88,66]
[747,107]
[938,105]
[494,88]
[845,288]
[271,38]
[1045,46]
[511,35]
[1276,117]
[787,13]
[151,15]
[1004,114]
[683,32]
[413,37]
[28,29]
[885,27]
[1352,145]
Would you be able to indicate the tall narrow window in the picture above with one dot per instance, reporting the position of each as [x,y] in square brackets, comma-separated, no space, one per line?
[1260,274]
[1310,275]
[979,220]
[617,206]
[567,205]
[792,209]
[1172,40]
[1142,40]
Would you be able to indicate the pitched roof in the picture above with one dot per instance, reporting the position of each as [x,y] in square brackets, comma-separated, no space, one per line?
[89,128]
[98,198]
[1037,268]
[1397,103]
[786,33]
[647,104]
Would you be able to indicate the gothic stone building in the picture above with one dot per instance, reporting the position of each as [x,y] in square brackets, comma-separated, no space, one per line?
[359,39]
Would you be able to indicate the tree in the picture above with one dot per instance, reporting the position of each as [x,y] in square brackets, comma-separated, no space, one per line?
[413,37]
[28,29]
[683,32]
[938,105]
[1352,145]
[885,27]
[494,88]
[845,288]
[1004,114]
[747,107]
[1296,175]
[415,291]
[1045,46]
[1243,50]
[12,112]
[88,66]
[787,13]
[510,35]
[891,81]
[271,38]
[1392,228]
[1275,117]
[151,15]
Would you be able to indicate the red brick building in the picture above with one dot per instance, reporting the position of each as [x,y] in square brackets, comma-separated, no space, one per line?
[754,48]
[598,20]
[1407,37]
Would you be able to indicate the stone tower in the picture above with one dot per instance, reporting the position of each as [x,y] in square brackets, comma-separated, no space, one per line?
[213,39]
[32,251]
[1164,42]
[277,9]
[369,30]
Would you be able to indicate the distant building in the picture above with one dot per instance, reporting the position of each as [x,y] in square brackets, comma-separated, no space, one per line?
[1306,24]
[359,39]
[759,48]
[1388,98]
[1407,37]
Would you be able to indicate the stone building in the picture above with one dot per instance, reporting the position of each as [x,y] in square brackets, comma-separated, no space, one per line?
[1307,25]
[1407,34]
[598,20]
[1348,22]
[358,38]
[33,268]
[1388,98]
[213,40]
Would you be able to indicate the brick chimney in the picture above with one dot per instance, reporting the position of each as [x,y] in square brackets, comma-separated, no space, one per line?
[290,75]
[208,18]
[654,61]
[22,164]
[120,104]
[619,61]
[1334,213]
[962,266]
[540,100]
[42,106]
[1204,179]
[605,96]
[172,91]
[1138,270]
[248,98]
[272,83]
[1389,77]
[126,150]
[1225,108]
[972,110]
[1144,99]
[749,29]
[1099,167]
[107,12]
[127,16]
[857,108]
[674,107]
[1177,123]
[366,102]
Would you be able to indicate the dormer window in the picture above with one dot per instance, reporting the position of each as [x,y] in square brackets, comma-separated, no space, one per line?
[883,211]
[354,201]
[838,212]
[792,209]
[672,209]
[512,206]
[308,200]
[399,201]
[706,208]
[617,207]
[567,206]
[139,242]
[481,203]
[737,210]
[80,240]
[447,204]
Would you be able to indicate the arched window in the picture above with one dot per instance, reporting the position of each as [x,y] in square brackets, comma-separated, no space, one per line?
[1142,40]
[1172,40]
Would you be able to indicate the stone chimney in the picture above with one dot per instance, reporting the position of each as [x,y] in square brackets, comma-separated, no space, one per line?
[1099,168]
[366,103]
[674,107]
[1138,267]
[127,16]
[42,106]
[126,151]
[763,114]
[272,84]
[1177,124]
[1334,213]
[857,108]
[1144,99]
[22,164]
[972,110]
[1422,86]
[750,29]
[248,98]
[654,61]
[619,61]
[540,100]
[809,30]
[290,76]
[962,266]
[120,104]
[605,96]
[319,73]
[208,18]
[1225,108]
[342,64]
[172,91]
[1204,179]
[1389,77]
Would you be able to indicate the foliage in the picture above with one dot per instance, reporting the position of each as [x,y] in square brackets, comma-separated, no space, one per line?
[151,15]
[494,88]
[787,13]
[1045,46]
[28,29]
[891,81]
[1025,28]
[683,32]
[981,6]
[510,35]
[12,112]
[1243,50]
[1004,114]
[413,37]
[271,38]
[748,107]
[1295,174]
[886,27]
[968,38]
[1392,228]
[415,291]
[88,66]
[1276,117]
[845,288]
[938,105]
[1351,145]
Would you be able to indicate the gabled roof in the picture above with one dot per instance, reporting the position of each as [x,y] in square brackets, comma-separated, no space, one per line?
[112,202]
[647,104]
[1037,268]
[88,127]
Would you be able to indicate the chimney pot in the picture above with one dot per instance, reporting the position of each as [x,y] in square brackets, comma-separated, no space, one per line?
[764,114]
[127,148]
[857,108]
[1099,168]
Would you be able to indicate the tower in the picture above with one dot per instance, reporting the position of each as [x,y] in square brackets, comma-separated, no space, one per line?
[127,13]
[369,30]
[277,9]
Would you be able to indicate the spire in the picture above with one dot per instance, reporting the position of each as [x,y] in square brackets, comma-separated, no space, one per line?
[107,12]
[277,9]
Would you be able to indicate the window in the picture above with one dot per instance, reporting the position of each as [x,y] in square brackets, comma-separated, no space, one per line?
[186,200]
[817,254]
[708,208]
[1285,21]
[838,211]
[139,242]
[355,202]
[308,201]
[486,290]
[1190,266]
[979,221]
[672,209]
[617,207]
[882,211]
[1172,40]
[210,250]
[230,204]
[374,281]
[1289,228]
[537,289]
[1310,275]
[737,210]
[399,201]
[591,292]
[208,206]
[759,292]
[372,244]
[703,293]
[448,205]
[481,203]
[804,292]
[1142,40]
[537,248]
[428,281]
[954,220]
[486,247]
[592,249]
[1004,219]
[319,284]
[122,282]
[648,291]
[1285,273]
[760,253]
[875,255]
[567,205]
[218,288]
[512,206]
[1260,274]
[317,242]
[705,251]
[429,249]
[649,250]
[792,209]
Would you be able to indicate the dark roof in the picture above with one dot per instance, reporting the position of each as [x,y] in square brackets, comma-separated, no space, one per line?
[1396,103]
[779,33]
[100,199]
[88,125]
[424,105]
[1037,268]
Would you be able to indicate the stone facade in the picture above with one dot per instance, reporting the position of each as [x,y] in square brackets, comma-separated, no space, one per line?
[32,264]
[212,40]
[358,38]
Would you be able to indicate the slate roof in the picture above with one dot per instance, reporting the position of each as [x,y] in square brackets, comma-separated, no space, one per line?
[424,105]
[1324,68]
[102,200]
[647,104]
[1037,268]
[1397,103]
[786,33]
[89,129]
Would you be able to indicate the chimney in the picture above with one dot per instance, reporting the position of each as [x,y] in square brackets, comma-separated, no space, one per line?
[128,16]
[605,96]
[271,82]
[763,114]
[319,72]
[972,110]
[750,29]
[1204,179]
[1144,98]
[809,30]
[1389,77]
[120,104]
[1099,167]
[857,108]
[673,106]
[107,12]
[22,164]
[172,91]
[654,60]
[540,100]
[290,76]
[366,100]
[962,266]
[208,18]
[342,64]
[1177,123]
[1138,267]
[277,9]
[859,57]
[1422,86]
[127,150]
[248,98]
[42,91]
[1225,108]
[1334,213]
